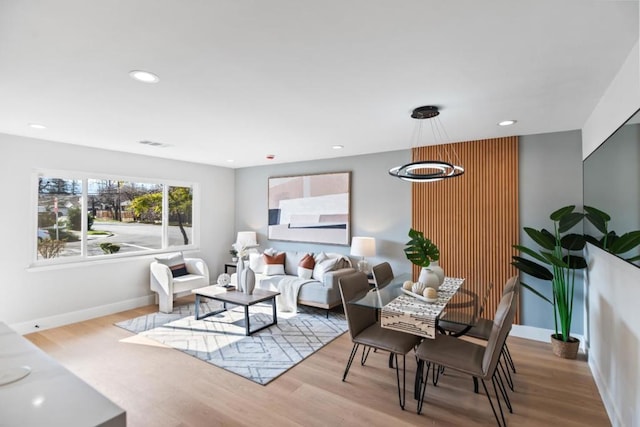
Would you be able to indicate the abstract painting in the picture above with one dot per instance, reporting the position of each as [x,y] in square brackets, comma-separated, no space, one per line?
[310,208]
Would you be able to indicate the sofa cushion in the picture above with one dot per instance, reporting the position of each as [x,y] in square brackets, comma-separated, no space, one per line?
[321,267]
[256,263]
[305,266]
[274,264]
[176,264]
[292,261]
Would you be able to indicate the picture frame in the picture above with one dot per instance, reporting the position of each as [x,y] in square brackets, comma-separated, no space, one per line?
[310,208]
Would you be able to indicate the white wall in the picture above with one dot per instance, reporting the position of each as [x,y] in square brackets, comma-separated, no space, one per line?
[550,178]
[613,285]
[54,296]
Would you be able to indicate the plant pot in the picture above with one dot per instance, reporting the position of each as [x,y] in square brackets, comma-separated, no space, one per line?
[435,267]
[429,278]
[566,350]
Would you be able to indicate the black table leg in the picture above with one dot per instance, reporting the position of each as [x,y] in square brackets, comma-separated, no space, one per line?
[275,316]
[246,320]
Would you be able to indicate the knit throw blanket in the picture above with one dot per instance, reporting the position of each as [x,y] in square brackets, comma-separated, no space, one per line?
[289,287]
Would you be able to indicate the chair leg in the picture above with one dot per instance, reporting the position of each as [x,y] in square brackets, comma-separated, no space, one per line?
[402,394]
[354,350]
[424,385]
[495,414]
[365,354]
[503,390]
[437,370]
[507,353]
[506,372]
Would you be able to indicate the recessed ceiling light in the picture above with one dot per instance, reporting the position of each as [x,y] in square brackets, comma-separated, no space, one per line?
[507,122]
[338,147]
[144,76]
[37,126]
[229,160]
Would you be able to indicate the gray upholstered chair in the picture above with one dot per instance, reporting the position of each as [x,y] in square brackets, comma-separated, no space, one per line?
[382,274]
[482,329]
[470,358]
[365,330]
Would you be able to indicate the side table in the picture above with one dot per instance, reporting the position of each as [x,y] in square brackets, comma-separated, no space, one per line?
[228,265]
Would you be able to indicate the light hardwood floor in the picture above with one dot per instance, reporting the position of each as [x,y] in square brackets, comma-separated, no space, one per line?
[163,387]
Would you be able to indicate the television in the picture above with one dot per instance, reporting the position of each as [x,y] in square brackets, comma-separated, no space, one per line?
[611,182]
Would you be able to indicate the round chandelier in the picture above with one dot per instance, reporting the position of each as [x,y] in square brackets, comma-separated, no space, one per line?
[428,170]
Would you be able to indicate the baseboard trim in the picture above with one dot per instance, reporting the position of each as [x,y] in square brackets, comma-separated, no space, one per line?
[605,394]
[42,323]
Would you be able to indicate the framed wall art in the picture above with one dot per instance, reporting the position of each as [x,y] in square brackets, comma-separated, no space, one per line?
[310,208]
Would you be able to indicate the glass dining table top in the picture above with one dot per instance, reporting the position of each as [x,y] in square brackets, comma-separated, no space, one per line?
[461,309]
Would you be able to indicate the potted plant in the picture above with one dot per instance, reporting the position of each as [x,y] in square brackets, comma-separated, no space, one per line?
[422,252]
[561,251]
[234,255]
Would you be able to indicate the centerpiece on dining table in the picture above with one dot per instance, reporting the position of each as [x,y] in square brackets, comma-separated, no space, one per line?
[425,254]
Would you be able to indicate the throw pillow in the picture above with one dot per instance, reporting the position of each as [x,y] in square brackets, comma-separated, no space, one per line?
[256,263]
[176,264]
[274,264]
[305,267]
[322,267]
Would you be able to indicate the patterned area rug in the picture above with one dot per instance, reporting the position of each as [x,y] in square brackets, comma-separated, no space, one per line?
[220,339]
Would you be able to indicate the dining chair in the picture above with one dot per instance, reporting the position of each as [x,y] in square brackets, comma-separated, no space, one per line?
[479,361]
[365,330]
[382,274]
[482,328]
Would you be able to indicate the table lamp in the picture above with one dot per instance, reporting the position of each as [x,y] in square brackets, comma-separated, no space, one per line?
[363,247]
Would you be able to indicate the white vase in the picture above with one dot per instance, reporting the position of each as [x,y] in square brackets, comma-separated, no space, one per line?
[435,267]
[239,270]
[429,278]
[248,281]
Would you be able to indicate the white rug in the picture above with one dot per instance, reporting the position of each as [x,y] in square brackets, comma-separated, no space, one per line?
[220,339]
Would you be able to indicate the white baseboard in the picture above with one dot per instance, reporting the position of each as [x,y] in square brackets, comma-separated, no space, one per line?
[605,394]
[540,334]
[43,323]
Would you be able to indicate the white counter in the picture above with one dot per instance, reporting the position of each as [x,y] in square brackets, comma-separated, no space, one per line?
[50,395]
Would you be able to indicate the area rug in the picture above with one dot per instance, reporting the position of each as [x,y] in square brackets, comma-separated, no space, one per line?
[220,340]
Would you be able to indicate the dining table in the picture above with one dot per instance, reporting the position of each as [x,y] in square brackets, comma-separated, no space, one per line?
[402,312]
[406,313]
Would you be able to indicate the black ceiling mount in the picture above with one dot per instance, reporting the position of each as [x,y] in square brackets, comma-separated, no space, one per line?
[426,112]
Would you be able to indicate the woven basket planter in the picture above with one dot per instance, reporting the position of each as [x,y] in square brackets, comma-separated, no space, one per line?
[566,350]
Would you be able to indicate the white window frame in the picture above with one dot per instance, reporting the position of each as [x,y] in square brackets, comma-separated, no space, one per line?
[194,244]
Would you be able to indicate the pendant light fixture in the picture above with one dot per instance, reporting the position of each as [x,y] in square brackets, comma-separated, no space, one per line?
[429,170]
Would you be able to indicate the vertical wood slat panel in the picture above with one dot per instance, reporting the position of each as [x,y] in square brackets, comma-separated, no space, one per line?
[473,219]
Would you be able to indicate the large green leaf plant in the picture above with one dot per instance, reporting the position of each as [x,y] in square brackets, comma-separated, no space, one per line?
[556,260]
[420,250]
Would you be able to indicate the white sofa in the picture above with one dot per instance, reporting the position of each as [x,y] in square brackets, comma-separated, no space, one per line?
[321,291]
[168,287]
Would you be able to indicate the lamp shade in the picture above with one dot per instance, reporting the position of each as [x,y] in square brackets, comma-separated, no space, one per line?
[363,246]
[247,239]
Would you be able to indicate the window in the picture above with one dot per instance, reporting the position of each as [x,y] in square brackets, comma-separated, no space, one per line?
[120,216]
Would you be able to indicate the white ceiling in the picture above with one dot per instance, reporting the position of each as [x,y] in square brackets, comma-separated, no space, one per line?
[241,79]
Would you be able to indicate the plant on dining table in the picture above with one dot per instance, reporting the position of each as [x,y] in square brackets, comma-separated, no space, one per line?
[420,250]
[561,252]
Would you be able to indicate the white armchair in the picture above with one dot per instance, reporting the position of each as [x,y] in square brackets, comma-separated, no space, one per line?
[169,287]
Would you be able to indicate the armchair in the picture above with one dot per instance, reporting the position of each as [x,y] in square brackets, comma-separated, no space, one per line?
[168,287]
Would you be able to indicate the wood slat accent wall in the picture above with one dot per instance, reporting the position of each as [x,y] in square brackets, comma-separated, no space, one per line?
[473,219]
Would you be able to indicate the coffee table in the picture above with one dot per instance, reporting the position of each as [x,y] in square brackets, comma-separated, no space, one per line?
[219,293]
